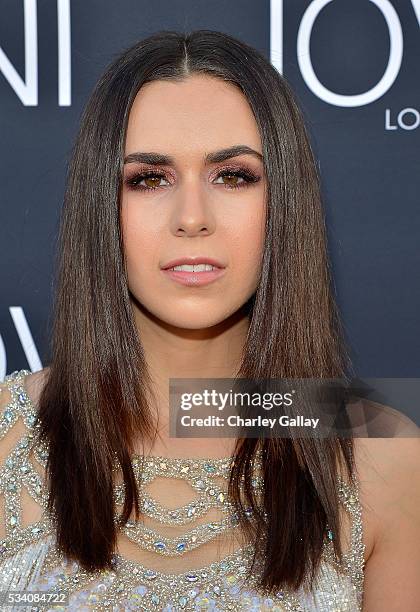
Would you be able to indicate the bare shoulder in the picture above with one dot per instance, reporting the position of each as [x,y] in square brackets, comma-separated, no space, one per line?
[389,474]
[386,465]
[371,419]
[388,470]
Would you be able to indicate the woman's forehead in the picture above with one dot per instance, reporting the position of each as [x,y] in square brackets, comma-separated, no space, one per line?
[200,113]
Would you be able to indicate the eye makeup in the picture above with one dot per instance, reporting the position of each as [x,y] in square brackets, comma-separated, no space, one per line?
[247,175]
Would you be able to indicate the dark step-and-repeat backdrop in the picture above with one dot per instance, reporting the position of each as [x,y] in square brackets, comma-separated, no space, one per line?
[355,68]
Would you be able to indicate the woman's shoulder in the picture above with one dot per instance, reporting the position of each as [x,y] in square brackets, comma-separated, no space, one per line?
[14,410]
[30,383]
[34,383]
[373,420]
[391,490]
[19,395]
[386,455]
[388,474]
[22,463]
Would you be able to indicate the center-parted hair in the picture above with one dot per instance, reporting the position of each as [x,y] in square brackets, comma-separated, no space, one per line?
[98,396]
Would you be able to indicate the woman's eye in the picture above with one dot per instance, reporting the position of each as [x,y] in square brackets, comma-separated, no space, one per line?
[151,181]
[237,179]
[231,179]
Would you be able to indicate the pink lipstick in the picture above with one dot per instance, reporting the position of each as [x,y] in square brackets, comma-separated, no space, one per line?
[194,271]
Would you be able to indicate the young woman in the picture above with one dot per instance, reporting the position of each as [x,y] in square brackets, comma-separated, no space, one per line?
[192,150]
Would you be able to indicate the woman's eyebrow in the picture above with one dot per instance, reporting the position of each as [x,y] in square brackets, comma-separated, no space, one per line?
[159,159]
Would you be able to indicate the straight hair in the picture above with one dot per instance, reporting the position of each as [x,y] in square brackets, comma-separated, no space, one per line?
[98,395]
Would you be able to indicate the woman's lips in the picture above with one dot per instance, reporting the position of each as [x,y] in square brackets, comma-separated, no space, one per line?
[194,279]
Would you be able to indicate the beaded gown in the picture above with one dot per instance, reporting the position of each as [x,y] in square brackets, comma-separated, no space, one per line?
[183,553]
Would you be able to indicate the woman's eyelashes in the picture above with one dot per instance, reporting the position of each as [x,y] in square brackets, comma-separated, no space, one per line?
[235,179]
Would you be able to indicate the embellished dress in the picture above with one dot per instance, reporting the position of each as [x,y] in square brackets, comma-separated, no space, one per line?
[172,559]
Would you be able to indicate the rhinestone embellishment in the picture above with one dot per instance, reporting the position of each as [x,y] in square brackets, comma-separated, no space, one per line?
[132,586]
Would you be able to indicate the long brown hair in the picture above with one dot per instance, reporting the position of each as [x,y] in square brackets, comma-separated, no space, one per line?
[97,396]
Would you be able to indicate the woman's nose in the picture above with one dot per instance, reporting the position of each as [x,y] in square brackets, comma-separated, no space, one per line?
[192,212]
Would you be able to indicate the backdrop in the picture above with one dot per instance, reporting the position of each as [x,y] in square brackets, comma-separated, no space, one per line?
[355,69]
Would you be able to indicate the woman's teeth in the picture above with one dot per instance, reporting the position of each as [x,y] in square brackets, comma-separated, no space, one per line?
[197,268]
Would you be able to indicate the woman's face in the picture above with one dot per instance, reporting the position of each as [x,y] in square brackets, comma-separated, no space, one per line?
[191,206]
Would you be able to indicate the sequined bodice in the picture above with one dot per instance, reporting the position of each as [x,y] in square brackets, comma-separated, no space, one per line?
[29,559]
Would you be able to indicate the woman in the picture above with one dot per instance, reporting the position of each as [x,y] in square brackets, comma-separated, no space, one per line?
[192,146]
